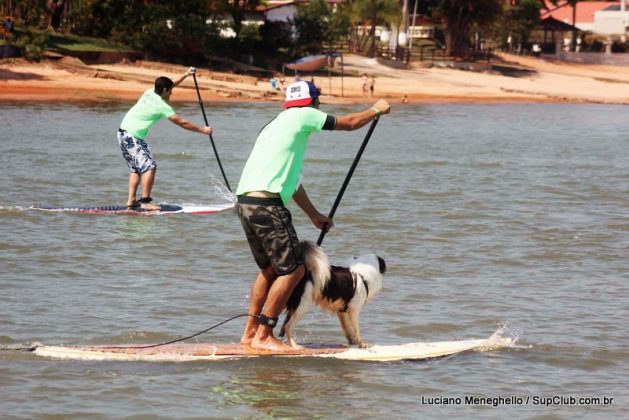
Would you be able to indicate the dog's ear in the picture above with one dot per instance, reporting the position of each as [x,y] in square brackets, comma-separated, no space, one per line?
[382,265]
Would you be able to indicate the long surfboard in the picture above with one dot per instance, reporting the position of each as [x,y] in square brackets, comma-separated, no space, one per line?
[214,352]
[116,209]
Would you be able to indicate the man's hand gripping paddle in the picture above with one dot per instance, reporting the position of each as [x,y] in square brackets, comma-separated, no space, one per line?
[348,177]
[194,76]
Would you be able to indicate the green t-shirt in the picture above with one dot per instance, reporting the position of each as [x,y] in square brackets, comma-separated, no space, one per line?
[275,163]
[149,109]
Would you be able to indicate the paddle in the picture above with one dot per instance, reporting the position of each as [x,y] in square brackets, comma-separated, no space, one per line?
[194,76]
[349,176]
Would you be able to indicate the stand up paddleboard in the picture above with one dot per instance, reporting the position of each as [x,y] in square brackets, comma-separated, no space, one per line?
[164,209]
[215,352]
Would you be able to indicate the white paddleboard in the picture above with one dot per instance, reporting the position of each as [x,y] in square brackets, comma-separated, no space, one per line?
[123,210]
[214,352]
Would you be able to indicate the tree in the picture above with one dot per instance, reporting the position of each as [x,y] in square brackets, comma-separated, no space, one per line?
[458,17]
[54,12]
[102,18]
[237,9]
[520,20]
[310,23]
[375,13]
[163,27]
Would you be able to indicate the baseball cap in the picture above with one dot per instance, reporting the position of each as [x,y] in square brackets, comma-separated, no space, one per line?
[300,94]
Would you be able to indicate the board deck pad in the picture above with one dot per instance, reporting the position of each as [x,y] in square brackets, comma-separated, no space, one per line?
[179,352]
[117,209]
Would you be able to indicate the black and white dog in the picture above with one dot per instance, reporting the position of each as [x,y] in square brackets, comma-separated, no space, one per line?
[339,290]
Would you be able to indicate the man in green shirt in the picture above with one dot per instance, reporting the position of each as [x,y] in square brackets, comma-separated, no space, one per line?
[150,108]
[269,180]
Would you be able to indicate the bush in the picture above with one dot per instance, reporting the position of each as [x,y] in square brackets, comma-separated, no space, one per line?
[33,43]
[619,47]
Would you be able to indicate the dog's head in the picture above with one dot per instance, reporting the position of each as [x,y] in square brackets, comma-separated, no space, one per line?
[371,260]
[370,268]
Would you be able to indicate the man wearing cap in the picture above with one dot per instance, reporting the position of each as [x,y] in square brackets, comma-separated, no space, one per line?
[151,107]
[271,177]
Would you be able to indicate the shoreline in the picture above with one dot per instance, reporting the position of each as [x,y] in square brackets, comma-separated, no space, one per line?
[536,81]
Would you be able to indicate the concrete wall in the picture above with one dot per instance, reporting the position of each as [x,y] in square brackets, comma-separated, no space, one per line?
[615,59]
[7,50]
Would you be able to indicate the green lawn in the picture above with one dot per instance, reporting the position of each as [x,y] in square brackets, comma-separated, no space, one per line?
[68,42]
[81,43]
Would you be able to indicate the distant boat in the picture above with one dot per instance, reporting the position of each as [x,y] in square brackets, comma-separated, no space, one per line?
[311,63]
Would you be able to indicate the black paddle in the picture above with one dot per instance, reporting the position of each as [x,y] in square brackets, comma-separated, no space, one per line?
[349,176]
[194,76]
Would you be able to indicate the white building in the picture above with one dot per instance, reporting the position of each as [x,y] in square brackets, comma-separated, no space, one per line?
[614,20]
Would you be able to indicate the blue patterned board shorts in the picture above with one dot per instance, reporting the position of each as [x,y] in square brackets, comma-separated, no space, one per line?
[136,152]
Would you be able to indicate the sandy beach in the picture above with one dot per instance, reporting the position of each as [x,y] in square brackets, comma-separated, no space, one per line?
[514,79]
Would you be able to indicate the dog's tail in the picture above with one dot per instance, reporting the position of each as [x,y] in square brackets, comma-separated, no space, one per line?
[317,264]
[283,329]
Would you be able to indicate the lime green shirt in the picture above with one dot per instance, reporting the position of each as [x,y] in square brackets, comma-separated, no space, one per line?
[149,109]
[275,163]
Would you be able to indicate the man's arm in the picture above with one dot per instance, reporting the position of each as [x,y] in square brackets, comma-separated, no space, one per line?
[190,72]
[356,120]
[319,220]
[189,126]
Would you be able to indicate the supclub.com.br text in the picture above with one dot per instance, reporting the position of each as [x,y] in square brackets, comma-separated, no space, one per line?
[538,400]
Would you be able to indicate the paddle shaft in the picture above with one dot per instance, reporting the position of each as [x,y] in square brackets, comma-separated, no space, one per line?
[349,176]
[220,165]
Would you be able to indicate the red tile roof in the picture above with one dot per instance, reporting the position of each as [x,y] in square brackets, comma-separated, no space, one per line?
[585,10]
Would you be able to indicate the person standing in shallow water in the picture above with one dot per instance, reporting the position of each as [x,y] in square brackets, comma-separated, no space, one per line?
[270,179]
[150,108]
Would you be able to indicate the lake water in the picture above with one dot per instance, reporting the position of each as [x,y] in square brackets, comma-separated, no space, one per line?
[512,216]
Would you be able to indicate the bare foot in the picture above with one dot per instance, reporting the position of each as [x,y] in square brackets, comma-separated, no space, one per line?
[272,344]
[246,339]
[250,331]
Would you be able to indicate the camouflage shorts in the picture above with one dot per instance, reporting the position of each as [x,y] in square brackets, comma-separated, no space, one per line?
[270,233]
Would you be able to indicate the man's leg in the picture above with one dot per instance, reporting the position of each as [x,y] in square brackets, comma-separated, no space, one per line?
[259,292]
[278,296]
[134,181]
[148,178]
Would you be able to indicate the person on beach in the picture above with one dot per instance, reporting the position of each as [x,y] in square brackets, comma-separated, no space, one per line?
[150,108]
[371,83]
[8,26]
[365,84]
[270,179]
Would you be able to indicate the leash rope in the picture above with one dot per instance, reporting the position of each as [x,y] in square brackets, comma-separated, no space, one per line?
[32,347]
[185,338]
